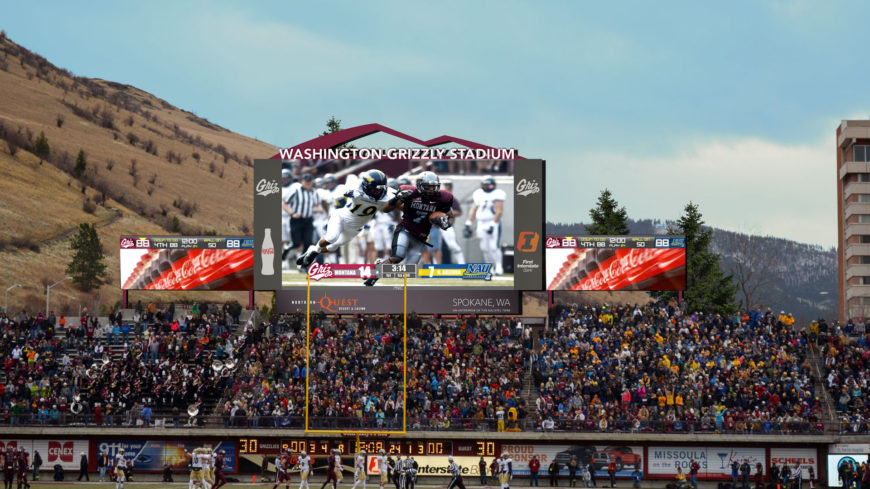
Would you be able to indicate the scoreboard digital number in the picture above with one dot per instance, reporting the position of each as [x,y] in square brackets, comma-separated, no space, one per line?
[396,270]
[477,448]
[616,242]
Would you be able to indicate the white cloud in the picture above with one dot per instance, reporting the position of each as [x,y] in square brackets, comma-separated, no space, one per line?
[746,184]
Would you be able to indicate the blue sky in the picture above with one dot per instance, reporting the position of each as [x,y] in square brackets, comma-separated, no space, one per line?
[733,106]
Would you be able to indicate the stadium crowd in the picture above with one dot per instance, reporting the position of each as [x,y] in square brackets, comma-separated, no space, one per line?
[57,370]
[846,357]
[654,368]
[356,372]
[269,387]
[622,368]
[465,373]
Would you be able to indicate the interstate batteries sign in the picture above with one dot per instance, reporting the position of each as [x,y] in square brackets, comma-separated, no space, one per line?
[390,301]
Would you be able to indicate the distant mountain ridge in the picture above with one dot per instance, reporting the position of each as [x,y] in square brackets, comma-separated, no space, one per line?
[802,277]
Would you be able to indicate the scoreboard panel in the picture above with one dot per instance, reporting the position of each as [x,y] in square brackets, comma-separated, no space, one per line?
[616,242]
[314,446]
[187,242]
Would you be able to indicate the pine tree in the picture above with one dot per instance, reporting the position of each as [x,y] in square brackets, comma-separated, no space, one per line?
[41,147]
[86,267]
[334,125]
[81,164]
[708,288]
[607,217]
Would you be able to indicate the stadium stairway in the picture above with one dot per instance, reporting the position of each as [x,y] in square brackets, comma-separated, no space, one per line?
[529,392]
[829,414]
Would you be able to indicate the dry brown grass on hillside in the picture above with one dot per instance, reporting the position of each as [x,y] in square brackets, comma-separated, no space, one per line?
[147,163]
[140,150]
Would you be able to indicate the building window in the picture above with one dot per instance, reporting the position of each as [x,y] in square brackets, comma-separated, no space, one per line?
[862,153]
[865,260]
[865,280]
[865,239]
[864,218]
[864,177]
[863,197]
[865,301]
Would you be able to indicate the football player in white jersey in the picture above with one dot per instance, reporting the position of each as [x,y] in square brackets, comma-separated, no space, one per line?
[505,471]
[359,470]
[487,210]
[120,469]
[355,209]
[383,467]
[304,465]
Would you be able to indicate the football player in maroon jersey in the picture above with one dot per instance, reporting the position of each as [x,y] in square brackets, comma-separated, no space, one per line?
[418,202]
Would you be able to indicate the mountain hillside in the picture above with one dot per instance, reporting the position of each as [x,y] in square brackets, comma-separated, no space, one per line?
[147,167]
[785,275]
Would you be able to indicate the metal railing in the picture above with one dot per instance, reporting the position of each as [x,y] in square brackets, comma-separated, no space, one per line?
[423,424]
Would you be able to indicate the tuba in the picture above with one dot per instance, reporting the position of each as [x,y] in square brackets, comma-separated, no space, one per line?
[217,366]
[229,366]
[76,406]
[192,411]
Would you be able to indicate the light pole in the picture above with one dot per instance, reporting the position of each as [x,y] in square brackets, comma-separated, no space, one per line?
[6,298]
[48,293]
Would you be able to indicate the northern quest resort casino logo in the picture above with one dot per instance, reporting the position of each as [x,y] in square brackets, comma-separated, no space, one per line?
[527,187]
[267,187]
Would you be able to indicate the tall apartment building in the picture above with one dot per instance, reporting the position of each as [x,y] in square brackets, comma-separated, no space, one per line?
[853,218]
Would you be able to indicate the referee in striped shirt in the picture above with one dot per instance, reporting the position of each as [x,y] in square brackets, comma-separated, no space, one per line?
[300,204]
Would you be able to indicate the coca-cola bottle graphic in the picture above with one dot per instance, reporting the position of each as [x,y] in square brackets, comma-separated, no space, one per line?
[267,254]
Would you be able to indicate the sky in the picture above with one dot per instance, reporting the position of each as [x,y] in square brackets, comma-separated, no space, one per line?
[733,105]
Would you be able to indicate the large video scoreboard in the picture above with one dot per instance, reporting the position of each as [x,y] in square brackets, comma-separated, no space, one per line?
[494,248]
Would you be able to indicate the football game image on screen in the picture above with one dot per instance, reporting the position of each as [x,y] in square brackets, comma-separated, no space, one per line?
[371,223]
[187,263]
[616,263]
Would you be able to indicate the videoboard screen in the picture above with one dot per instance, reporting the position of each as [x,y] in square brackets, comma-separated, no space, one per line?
[187,263]
[611,263]
[468,225]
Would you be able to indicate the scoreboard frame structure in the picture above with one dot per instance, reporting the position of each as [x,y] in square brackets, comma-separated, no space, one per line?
[351,432]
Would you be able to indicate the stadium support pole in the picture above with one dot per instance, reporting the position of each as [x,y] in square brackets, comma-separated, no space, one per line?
[307,342]
[405,354]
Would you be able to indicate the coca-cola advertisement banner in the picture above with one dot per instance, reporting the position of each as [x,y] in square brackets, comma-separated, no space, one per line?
[66,453]
[611,269]
[187,263]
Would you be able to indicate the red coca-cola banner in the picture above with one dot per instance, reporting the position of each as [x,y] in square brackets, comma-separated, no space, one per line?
[193,269]
[621,269]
